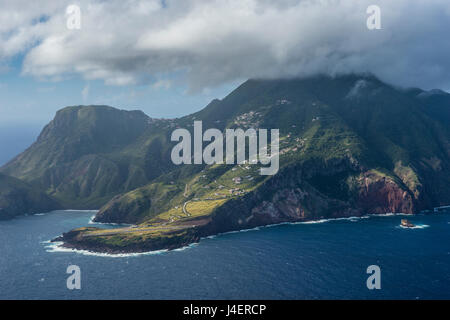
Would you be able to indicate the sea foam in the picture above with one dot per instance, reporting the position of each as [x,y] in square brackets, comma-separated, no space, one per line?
[58,246]
[418,226]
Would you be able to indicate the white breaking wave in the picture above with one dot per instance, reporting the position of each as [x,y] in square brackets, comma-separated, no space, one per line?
[353,219]
[186,247]
[239,231]
[58,247]
[390,214]
[91,221]
[75,210]
[418,226]
[313,221]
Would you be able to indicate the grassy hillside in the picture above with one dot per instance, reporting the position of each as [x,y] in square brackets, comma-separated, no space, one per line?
[87,155]
[348,145]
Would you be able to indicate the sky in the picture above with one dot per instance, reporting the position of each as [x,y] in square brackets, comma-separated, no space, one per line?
[172,57]
[25,100]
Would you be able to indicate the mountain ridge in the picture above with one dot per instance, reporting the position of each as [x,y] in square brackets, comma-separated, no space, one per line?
[349,145]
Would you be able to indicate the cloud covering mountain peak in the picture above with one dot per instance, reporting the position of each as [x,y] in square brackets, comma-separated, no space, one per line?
[208,43]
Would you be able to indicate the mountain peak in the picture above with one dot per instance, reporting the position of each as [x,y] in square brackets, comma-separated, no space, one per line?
[88,154]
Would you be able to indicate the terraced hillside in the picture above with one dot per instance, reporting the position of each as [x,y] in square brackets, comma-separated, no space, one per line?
[349,146]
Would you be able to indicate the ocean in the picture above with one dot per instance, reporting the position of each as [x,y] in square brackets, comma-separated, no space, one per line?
[322,260]
[14,140]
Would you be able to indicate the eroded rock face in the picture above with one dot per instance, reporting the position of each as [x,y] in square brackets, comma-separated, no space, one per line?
[286,203]
[378,194]
[289,197]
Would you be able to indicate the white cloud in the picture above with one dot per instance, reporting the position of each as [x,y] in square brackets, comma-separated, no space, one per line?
[162,84]
[218,41]
[85,92]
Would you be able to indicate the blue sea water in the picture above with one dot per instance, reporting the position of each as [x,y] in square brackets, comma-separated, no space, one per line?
[303,261]
[14,140]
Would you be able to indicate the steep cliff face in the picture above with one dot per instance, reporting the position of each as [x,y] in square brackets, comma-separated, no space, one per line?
[18,198]
[291,196]
[88,154]
[349,145]
[359,143]
[378,194]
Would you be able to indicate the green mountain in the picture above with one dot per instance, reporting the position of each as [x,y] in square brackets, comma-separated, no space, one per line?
[18,198]
[87,155]
[341,132]
[349,145]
